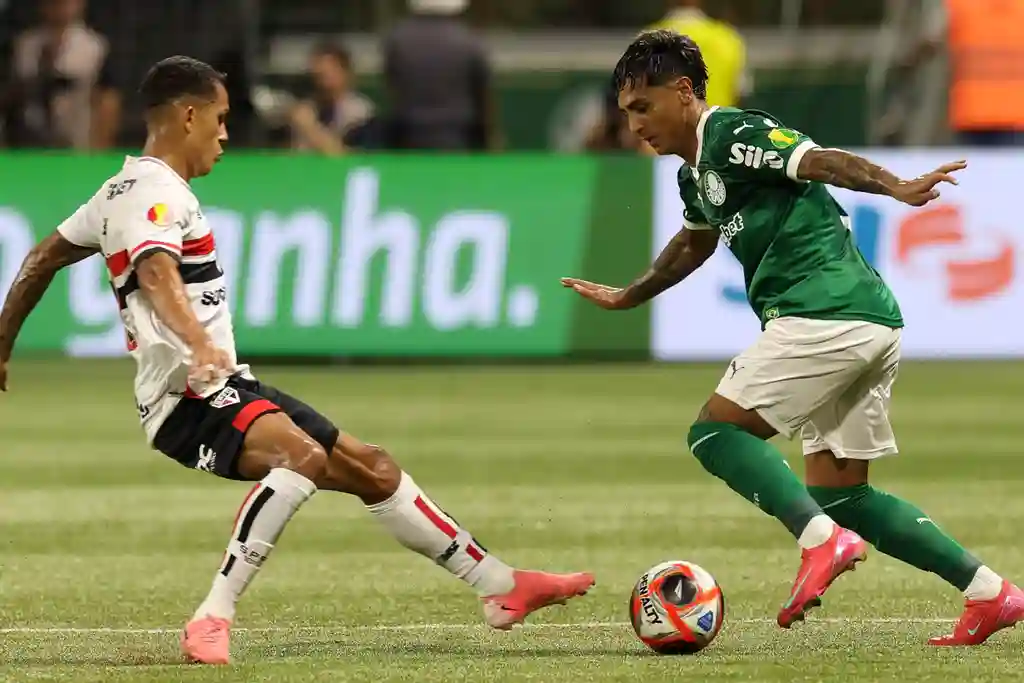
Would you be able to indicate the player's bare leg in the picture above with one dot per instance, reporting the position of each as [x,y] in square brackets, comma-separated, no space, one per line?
[732,444]
[287,463]
[901,530]
[417,522]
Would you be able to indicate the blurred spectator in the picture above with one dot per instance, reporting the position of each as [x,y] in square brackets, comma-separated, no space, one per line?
[142,32]
[985,42]
[60,92]
[610,133]
[322,122]
[438,80]
[722,46]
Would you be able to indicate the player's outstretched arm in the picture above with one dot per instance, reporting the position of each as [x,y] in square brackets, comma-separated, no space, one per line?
[161,283]
[684,253]
[847,170]
[31,282]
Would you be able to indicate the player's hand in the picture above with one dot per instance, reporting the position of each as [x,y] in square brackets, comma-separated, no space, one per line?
[921,190]
[210,364]
[610,298]
[3,375]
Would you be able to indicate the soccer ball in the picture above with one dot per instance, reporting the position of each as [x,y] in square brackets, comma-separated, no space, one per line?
[677,608]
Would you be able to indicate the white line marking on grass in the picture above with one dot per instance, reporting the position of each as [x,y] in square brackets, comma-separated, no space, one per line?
[58,630]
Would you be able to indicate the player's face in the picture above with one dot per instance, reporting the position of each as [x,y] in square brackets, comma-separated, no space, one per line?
[208,132]
[659,114]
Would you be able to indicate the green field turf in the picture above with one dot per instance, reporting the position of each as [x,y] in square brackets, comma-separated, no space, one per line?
[560,468]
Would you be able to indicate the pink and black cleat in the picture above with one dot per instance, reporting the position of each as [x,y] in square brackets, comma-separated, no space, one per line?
[818,569]
[207,641]
[532,591]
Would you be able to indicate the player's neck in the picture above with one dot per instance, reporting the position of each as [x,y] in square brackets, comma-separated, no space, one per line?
[691,135]
[156,149]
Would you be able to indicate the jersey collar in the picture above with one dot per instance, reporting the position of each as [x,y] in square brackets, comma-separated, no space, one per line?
[700,131]
[159,162]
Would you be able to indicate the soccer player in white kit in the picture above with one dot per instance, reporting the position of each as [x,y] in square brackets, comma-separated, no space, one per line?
[198,405]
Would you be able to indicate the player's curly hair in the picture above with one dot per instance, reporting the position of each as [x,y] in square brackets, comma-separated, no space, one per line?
[656,57]
[178,76]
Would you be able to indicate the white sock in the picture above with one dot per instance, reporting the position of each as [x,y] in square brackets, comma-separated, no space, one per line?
[986,585]
[260,521]
[817,532]
[420,525]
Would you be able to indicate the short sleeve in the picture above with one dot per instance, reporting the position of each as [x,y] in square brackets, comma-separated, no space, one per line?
[147,220]
[757,147]
[693,213]
[80,228]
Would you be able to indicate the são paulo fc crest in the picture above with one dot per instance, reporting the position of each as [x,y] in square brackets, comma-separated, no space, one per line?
[226,397]
[714,188]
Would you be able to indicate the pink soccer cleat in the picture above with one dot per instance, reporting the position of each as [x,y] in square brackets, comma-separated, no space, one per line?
[982,618]
[532,591]
[207,641]
[819,567]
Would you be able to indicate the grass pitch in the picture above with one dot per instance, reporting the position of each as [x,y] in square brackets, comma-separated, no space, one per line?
[108,547]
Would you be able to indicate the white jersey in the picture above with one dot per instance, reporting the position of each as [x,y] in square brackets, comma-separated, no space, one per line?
[147,207]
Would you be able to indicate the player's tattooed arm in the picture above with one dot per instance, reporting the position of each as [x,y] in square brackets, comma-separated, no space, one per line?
[36,273]
[685,253]
[844,169]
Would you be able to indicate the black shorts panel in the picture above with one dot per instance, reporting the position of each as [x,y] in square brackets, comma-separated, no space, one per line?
[208,433]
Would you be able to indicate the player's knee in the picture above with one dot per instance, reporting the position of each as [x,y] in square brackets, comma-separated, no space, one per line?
[385,473]
[309,461]
[365,470]
[699,432]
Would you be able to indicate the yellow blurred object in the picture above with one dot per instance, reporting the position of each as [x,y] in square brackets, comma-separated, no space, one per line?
[723,49]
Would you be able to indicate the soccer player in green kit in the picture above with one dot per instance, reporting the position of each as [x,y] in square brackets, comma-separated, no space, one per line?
[825,363]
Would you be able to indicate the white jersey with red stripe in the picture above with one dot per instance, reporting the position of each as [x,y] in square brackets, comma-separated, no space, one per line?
[147,208]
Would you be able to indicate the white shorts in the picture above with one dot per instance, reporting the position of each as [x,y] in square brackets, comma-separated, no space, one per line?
[830,379]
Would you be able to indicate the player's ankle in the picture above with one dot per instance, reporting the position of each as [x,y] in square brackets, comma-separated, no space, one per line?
[986,585]
[817,532]
[491,577]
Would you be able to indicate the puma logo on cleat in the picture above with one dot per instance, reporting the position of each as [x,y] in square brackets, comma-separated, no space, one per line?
[974,630]
[922,520]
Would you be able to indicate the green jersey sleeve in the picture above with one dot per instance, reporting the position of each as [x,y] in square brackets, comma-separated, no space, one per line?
[693,213]
[757,147]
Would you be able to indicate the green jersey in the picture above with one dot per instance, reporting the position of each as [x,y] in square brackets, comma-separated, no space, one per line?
[791,237]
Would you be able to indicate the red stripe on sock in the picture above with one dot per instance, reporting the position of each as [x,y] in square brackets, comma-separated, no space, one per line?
[474,552]
[435,519]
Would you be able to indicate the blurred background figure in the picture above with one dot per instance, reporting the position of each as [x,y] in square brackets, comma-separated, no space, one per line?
[482,75]
[725,54]
[722,46]
[60,93]
[439,81]
[334,110]
[984,41]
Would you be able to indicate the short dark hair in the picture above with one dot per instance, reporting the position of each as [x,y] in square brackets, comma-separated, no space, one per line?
[336,52]
[175,77]
[656,57]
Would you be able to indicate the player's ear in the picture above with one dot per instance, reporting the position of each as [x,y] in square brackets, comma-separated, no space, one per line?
[684,89]
[190,118]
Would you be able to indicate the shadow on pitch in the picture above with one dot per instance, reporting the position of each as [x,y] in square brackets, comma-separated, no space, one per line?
[116,659]
[423,649]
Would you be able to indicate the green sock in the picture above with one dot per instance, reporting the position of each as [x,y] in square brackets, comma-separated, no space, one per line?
[898,529]
[754,469]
